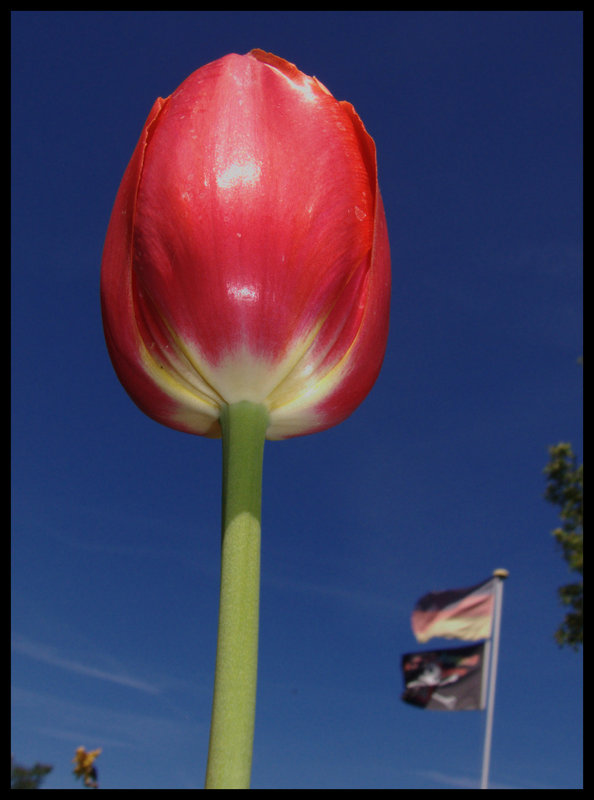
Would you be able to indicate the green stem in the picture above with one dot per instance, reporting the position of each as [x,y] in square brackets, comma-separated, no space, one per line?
[234,703]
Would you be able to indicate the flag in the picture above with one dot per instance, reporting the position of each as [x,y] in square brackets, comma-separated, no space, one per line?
[465,614]
[445,680]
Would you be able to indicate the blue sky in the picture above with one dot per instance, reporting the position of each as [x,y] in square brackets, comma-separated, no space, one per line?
[435,481]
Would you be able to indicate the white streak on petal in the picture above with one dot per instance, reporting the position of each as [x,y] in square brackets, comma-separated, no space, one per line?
[240,173]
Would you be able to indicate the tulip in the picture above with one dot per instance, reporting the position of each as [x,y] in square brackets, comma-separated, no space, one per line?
[245,294]
[247,254]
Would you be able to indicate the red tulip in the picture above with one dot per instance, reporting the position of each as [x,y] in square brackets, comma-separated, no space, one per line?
[247,254]
[245,292]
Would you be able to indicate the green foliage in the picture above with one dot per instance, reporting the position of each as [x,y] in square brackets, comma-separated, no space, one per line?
[28,777]
[565,488]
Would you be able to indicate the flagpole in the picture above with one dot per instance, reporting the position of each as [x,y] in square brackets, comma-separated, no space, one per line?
[501,575]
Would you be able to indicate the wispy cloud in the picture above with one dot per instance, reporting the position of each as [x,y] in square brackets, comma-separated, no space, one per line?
[359,598]
[48,655]
[459,781]
[149,732]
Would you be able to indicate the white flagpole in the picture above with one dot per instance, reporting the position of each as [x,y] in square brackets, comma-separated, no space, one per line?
[501,575]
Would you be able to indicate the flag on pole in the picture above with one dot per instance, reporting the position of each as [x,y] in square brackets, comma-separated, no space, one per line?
[445,680]
[465,614]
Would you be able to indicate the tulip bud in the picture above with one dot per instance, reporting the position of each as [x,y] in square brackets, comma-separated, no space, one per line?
[247,254]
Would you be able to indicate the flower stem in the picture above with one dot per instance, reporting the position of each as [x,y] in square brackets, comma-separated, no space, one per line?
[234,703]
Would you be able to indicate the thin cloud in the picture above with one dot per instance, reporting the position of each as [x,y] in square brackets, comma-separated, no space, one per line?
[47,655]
[459,781]
[360,599]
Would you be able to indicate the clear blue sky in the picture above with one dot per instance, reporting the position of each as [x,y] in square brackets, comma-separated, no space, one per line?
[435,481]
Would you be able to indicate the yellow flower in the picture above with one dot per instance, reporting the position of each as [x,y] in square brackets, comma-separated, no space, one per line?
[84,766]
